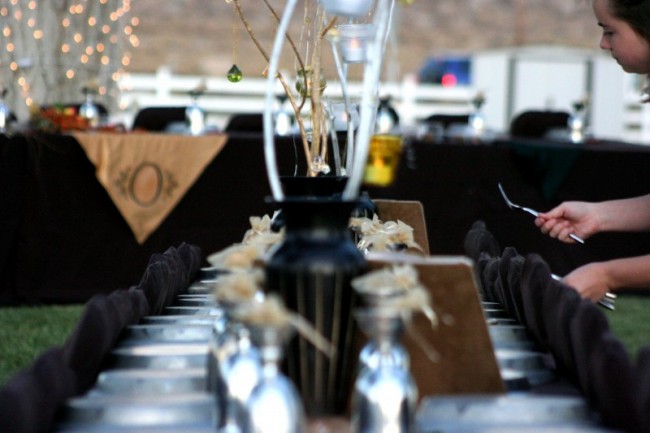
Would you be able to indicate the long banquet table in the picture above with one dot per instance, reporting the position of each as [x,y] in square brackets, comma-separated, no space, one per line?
[63,239]
[68,242]
[138,362]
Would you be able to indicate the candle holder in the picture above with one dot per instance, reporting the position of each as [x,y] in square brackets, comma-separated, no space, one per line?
[348,8]
[88,109]
[353,42]
[577,122]
[195,115]
[383,160]
[283,118]
[5,113]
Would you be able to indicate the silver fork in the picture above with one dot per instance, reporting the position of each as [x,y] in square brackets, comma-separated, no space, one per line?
[608,300]
[533,212]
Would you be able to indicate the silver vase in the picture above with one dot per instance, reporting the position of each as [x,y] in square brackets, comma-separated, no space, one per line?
[234,370]
[274,406]
[385,395]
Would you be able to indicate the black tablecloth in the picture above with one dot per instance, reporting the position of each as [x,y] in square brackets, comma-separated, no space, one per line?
[63,240]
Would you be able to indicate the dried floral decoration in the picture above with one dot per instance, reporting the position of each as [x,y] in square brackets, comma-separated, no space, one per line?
[256,242]
[239,287]
[261,232]
[237,257]
[398,288]
[272,312]
[378,236]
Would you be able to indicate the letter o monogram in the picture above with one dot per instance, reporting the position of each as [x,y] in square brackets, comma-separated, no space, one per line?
[146,184]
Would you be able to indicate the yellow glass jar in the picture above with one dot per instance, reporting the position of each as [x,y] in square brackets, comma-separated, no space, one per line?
[383,159]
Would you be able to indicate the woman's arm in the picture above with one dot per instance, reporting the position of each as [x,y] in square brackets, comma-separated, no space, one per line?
[586,219]
[593,280]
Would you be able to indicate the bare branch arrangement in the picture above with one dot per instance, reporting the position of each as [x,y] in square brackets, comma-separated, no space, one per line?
[310,83]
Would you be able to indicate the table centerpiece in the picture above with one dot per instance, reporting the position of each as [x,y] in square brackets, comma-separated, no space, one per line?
[311,269]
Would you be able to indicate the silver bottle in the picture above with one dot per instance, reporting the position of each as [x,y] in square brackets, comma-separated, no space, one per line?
[274,405]
[385,395]
[369,354]
[234,369]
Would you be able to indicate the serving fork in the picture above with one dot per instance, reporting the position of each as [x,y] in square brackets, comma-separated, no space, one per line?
[533,212]
[608,300]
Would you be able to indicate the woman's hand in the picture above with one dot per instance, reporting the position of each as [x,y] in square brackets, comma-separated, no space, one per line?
[591,281]
[577,217]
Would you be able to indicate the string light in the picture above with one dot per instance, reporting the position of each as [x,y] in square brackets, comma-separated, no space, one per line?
[50,52]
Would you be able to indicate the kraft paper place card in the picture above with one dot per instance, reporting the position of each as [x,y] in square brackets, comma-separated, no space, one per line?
[466,362]
[410,212]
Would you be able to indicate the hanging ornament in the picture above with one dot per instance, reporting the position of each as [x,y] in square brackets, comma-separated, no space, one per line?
[234,74]
[305,84]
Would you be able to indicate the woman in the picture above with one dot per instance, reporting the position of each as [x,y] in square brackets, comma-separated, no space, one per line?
[626,35]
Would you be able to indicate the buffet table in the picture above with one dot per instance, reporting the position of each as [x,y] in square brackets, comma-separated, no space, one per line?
[63,239]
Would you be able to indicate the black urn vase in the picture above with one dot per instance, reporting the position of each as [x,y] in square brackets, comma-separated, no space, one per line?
[311,270]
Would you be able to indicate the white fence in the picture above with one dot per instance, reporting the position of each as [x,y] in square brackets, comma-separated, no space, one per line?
[413,101]
[223,99]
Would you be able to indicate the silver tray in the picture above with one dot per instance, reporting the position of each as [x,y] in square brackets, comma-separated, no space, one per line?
[514,380]
[135,334]
[175,310]
[509,333]
[511,337]
[528,362]
[151,382]
[99,428]
[498,321]
[200,288]
[488,304]
[194,296]
[521,360]
[474,412]
[190,409]
[161,356]
[202,301]
[196,319]
[496,313]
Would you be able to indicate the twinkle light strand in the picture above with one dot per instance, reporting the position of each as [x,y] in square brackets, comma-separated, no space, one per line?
[50,50]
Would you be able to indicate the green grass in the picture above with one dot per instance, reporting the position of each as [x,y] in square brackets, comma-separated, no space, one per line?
[631,322]
[26,332]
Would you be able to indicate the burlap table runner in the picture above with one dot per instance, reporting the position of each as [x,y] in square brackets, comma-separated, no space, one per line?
[146,175]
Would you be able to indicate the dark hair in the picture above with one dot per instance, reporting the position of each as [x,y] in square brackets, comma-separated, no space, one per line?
[635,12]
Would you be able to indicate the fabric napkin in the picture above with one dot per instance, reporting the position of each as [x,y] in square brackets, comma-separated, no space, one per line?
[91,340]
[30,399]
[480,240]
[534,279]
[146,175]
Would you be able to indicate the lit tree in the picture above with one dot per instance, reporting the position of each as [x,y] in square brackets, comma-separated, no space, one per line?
[52,49]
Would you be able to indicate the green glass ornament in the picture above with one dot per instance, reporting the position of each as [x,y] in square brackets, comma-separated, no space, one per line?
[234,74]
[305,91]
